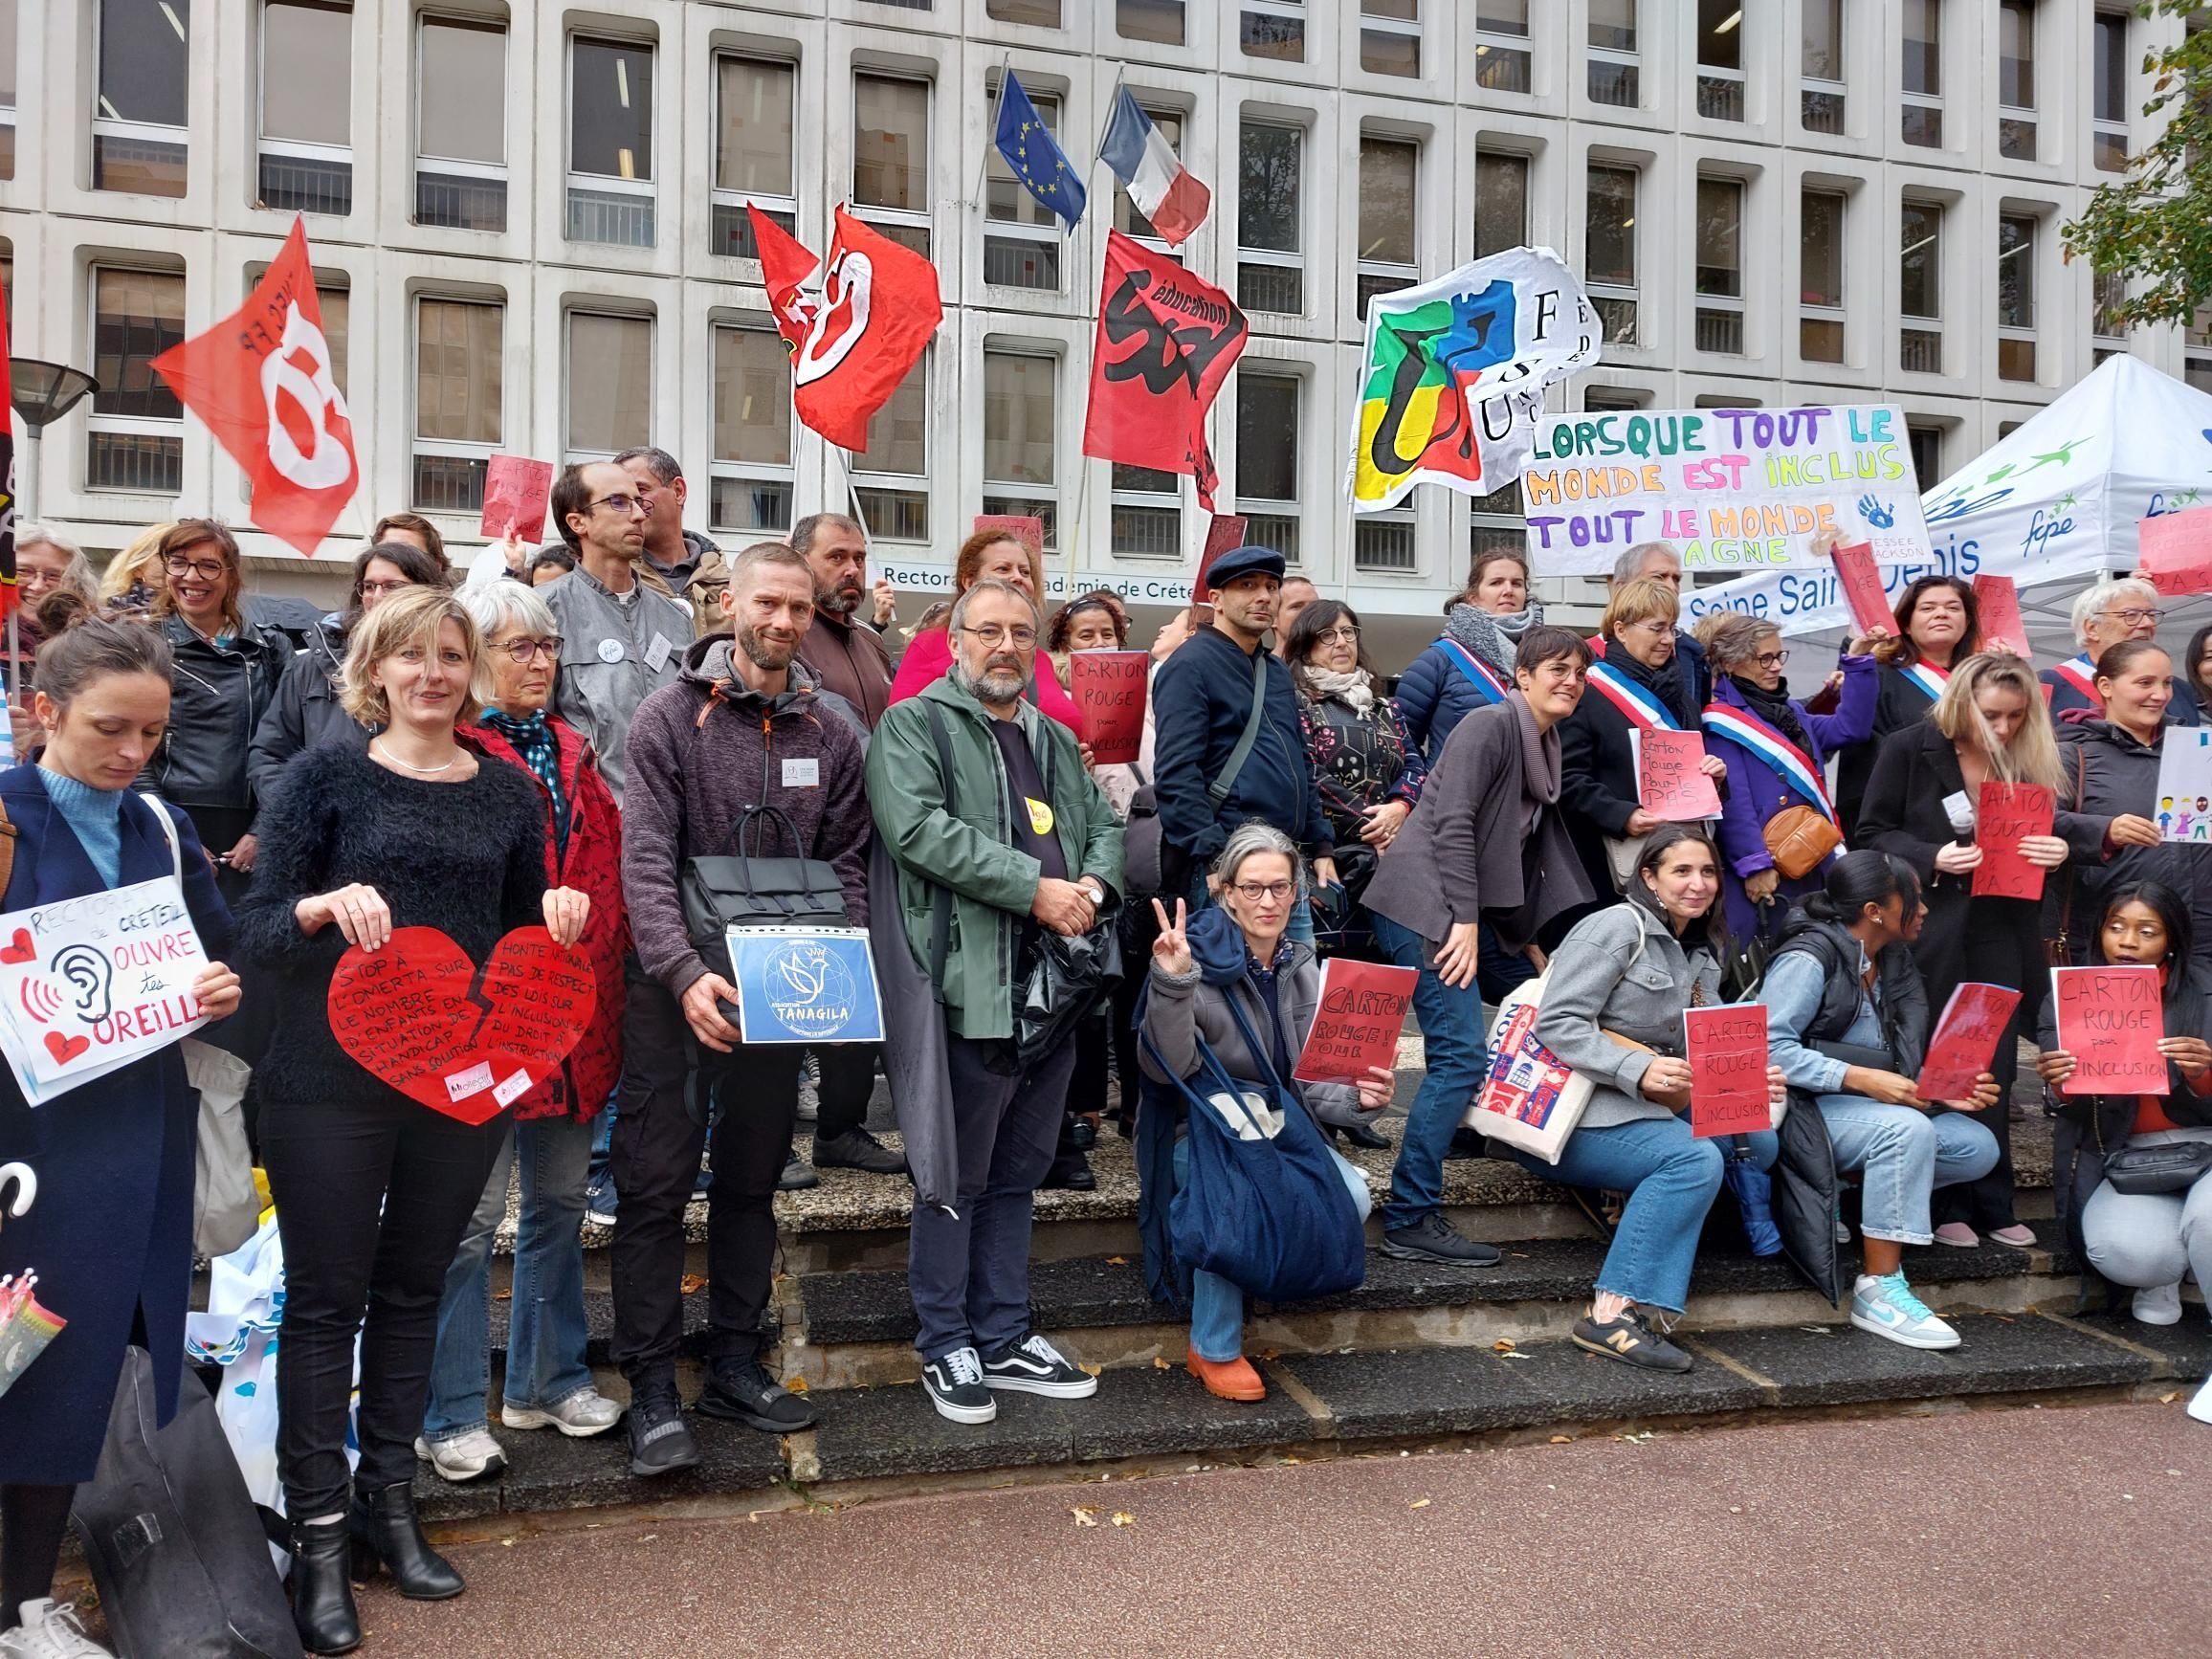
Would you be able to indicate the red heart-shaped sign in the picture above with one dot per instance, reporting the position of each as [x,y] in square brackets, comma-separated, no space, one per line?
[19,949]
[420,1015]
[65,1048]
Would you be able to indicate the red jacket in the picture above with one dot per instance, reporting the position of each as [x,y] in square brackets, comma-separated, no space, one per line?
[593,866]
[930,654]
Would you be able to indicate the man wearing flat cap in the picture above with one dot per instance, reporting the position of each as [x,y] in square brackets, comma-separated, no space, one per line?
[1227,748]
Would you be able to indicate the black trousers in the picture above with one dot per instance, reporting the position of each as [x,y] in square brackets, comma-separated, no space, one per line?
[848,1081]
[372,1198]
[659,1131]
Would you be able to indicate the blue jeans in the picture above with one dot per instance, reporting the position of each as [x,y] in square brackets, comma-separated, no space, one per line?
[1457,1061]
[546,1327]
[1902,1154]
[1670,1178]
[1217,1306]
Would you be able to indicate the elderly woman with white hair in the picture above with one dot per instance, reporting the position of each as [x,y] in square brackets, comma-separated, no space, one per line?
[547,1383]
[2104,615]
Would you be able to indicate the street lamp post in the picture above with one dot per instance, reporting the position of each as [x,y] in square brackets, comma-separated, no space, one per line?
[42,394]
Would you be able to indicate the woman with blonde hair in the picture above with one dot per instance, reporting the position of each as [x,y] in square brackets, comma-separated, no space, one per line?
[133,577]
[373,1189]
[1923,803]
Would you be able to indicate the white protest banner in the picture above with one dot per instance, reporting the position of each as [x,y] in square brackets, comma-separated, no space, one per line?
[1453,384]
[1727,488]
[92,983]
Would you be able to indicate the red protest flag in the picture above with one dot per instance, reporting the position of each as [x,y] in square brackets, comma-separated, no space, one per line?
[1965,1042]
[784,266]
[1357,1023]
[1109,688]
[1165,342]
[261,380]
[2006,812]
[1727,1051]
[1225,533]
[851,344]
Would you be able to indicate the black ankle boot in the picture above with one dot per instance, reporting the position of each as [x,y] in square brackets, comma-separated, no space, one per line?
[385,1529]
[321,1600]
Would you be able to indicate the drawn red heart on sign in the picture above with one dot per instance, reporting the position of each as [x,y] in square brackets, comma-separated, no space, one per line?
[460,1039]
[19,950]
[65,1048]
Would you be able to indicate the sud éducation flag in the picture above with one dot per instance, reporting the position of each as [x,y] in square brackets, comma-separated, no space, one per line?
[1166,341]
[261,381]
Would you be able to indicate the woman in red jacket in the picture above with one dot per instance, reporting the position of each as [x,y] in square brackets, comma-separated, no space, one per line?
[548,1385]
[992,553]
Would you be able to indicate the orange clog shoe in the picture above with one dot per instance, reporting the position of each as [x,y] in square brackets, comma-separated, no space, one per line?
[1230,1378]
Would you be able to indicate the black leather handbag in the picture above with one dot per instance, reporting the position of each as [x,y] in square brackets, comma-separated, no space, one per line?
[742,889]
[2170,1166]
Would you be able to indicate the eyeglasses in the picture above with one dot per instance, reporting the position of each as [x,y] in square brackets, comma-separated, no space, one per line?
[626,505]
[1252,892]
[1341,635]
[1657,627]
[382,587]
[520,652]
[2134,617]
[1771,658]
[207,570]
[999,633]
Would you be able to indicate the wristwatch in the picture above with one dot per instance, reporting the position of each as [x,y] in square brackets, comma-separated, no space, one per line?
[1092,890]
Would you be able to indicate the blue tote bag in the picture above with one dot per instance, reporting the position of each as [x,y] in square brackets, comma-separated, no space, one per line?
[1269,1215]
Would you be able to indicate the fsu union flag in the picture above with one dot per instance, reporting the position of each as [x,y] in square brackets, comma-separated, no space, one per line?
[1166,341]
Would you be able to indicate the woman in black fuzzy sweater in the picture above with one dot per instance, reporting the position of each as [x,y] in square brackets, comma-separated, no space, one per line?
[373,1189]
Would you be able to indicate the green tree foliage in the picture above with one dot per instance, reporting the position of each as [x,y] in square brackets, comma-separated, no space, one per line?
[2156,224]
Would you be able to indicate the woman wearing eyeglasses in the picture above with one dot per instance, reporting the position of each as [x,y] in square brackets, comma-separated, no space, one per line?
[226,673]
[305,710]
[1775,804]
[995,555]
[2104,615]
[547,1383]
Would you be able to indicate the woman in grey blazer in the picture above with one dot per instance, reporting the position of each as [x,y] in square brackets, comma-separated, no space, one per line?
[1612,1010]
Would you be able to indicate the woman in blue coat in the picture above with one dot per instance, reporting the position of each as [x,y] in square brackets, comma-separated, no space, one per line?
[1777,758]
[111,1232]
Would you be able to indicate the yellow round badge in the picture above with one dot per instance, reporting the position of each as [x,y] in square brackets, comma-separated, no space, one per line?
[1040,816]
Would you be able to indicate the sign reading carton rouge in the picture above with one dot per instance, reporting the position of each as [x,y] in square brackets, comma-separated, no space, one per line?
[1728,1089]
[2007,814]
[463,1040]
[1109,692]
[1670,781]
[2110,1019]
[1361,1012]
[1965,1042]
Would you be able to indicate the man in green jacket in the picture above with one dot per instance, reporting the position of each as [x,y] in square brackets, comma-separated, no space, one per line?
[1021,839]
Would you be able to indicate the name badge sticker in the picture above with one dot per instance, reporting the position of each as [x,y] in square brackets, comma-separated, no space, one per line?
[657,653]
[475,1080]
[804,774]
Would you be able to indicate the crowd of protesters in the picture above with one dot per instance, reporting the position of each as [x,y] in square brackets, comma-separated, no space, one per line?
[563,743]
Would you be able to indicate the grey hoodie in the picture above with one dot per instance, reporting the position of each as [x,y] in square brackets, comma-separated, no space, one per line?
[1621,970]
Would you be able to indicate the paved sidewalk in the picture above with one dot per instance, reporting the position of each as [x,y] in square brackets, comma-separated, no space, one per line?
[1996,1533]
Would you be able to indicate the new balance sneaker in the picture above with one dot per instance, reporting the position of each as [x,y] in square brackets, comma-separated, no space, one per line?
[2159,1305]
[1433,1239]
[1035,1366]
[1630,1340]
[1888,1307]
[955,1383]
[742,1391]
[466,1456]
[49,1630]
[660,1441]
[579,1415]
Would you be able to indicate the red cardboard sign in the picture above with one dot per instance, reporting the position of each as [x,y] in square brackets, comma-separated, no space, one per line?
[1109,692]
[2008,812]
[464,1040]
[1361,1012]
[1869,599]
[1026,528]
[2177,550]
[2110,1019]
[1996,611]
[1965,1042]
[516,491]
[1224,533]
[1728,1090]
[1667,780]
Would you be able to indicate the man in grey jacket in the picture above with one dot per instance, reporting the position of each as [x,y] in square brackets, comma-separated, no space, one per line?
[619,639]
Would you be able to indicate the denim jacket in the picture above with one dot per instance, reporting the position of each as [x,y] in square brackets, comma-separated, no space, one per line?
[1792,994]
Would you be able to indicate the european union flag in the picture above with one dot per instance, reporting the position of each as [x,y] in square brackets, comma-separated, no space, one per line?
[1038,162]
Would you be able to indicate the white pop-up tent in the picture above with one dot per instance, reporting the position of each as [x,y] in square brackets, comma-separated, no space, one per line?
[2054,501]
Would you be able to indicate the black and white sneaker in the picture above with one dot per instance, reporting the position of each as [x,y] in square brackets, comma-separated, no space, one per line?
[661,1440]
[1035,1366]
[955,1383]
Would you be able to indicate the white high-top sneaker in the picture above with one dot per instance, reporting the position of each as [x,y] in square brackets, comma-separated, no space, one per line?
[49,1630]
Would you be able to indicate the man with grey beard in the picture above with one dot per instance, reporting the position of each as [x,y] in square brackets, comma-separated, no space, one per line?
[846,656]
[745,724]
[997,831]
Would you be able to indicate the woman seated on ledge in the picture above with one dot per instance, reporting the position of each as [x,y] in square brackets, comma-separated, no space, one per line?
[1199,964]
[1612,1010]
[1847,1024]
[2145,1240]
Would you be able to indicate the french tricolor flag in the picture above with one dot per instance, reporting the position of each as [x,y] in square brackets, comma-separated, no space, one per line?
[1162,186]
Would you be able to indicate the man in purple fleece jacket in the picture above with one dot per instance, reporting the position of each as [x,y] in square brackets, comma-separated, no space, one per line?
[745,725]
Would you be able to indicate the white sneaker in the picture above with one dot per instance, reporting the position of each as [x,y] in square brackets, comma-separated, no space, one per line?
[2159,1305]
[49,1630]
[463,1456]
[580,1416]
[1887,1306]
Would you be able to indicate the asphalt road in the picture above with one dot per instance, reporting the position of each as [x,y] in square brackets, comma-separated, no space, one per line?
[2001,1533]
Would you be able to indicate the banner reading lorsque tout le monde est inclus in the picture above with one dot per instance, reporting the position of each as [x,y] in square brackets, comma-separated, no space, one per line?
[1728,488]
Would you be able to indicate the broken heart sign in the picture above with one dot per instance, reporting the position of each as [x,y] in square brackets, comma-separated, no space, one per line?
[463,1040]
